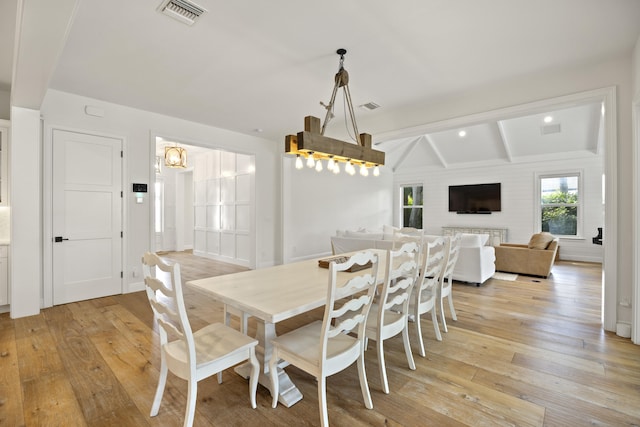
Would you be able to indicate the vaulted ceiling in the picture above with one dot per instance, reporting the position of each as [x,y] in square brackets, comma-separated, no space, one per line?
[260,67]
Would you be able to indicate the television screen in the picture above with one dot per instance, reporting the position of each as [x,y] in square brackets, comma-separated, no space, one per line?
[477,198]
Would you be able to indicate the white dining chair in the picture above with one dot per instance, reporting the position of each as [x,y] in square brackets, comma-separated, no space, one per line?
[425,291]
[446,285]
[389,314]
[191,356]
[323,348]
[407,234]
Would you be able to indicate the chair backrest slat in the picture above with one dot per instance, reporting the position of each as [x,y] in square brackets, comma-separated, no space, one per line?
[164,291]
[453,248]
[402,273]
[342,316]
[433,263]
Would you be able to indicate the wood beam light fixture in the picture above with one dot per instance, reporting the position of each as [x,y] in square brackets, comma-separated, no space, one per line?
[312,145]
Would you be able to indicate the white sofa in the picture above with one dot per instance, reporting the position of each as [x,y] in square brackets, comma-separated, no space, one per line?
[476,260]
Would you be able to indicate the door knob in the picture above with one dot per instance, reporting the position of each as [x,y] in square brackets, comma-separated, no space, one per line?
[59,239]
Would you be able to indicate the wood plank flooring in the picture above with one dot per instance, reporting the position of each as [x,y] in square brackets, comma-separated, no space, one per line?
[529,352]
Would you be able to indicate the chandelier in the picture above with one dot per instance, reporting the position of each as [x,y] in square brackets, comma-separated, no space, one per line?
[312,145]
[175,157]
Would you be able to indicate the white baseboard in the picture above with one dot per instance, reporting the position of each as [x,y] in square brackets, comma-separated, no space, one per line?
[582,259]
[133,287]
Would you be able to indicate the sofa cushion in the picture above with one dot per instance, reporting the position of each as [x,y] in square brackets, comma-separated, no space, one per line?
[387,232]
[484,238]
[363,235]
[470,241]
[540,240]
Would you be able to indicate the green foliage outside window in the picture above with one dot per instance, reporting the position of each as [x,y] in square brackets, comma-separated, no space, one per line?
[558,216]
[412,206]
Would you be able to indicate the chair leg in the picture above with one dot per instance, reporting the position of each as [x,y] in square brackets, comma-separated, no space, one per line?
[273,374]
[436,328]
[253,378]
[453,310]
[382,367]
[227,321]
[322,401]
[444,322]
[192,396]
[162,381]
[407,347]
[364,385]
[419,333]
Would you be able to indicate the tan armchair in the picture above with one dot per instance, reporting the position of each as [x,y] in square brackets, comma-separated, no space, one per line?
[517,258]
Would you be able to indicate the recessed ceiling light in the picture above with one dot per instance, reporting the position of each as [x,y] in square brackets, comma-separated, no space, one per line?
[548,119]
[462,133]
[258,130]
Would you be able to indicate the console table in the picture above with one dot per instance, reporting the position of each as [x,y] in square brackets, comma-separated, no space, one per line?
[496,235]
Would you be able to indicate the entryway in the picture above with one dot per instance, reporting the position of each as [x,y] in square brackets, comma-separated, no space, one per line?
[208,206]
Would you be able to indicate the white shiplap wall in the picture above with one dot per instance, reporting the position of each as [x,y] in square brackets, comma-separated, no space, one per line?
[518,213]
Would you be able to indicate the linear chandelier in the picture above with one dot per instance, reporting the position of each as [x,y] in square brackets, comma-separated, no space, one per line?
[312,145]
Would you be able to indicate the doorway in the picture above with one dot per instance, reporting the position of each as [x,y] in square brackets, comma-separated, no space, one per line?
[208,206]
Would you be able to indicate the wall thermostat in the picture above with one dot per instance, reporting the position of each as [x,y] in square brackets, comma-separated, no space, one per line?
[139,188]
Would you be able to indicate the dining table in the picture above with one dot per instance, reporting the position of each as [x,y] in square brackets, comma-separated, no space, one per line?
[274,294]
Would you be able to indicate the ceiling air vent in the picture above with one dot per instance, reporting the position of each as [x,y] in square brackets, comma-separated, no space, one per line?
[548,129]
[184,11]
[370,106]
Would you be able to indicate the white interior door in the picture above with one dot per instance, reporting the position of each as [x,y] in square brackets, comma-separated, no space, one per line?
[87,216]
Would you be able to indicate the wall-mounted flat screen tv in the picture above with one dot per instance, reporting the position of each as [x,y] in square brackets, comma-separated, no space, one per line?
[476,198]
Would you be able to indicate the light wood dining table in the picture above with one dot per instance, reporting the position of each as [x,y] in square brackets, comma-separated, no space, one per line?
[272,295]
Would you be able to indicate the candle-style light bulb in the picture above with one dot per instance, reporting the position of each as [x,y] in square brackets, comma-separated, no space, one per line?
[331,163]
[310,162]
[299,164]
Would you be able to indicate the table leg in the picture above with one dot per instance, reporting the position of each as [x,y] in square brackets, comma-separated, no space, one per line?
[289,393]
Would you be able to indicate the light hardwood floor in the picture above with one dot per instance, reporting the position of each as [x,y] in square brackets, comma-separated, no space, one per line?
[530,352]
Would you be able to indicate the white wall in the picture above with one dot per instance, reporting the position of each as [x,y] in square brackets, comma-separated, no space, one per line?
[319,203]
[635,325]
[26,204]
[224,206]
[138,129]
[5,104]
[518,214]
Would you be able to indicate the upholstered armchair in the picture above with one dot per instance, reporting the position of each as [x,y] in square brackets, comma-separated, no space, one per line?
[534,259]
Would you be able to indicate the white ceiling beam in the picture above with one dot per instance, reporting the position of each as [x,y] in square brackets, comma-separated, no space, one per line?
[432,144]
[505,140]
[42,27]
[406,153]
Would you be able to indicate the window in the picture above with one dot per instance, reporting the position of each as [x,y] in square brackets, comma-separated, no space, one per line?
[560,204]
[412,206]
